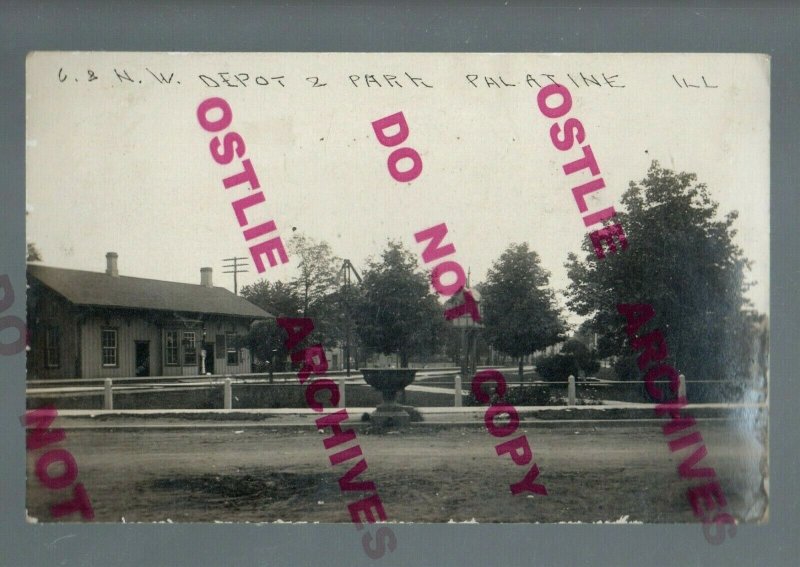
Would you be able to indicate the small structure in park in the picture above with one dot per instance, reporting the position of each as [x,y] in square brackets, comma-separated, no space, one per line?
[389,382]
[468,330]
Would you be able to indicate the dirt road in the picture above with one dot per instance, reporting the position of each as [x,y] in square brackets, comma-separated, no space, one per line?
[592,473]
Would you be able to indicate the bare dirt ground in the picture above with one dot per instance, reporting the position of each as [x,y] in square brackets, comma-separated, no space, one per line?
[592,472]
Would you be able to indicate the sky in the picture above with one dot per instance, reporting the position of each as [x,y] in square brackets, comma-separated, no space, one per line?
[117,161]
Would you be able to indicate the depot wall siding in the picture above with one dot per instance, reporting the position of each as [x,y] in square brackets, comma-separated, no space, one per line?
[129,330]
[80,339]
[220,326]
[50,310]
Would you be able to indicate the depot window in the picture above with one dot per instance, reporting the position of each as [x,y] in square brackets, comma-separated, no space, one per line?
[189,348]
[171,348]
[230,345]
[109,347]
[52,341]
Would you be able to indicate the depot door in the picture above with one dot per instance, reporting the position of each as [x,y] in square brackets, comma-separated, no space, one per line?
[143,358]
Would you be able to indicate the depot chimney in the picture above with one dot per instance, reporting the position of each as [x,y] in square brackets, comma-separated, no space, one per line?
[111,264]
[205,277]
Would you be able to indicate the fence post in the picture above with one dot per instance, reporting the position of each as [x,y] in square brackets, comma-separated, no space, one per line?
[457,391]
[228,394]
[108,395]
[571,391]
[342,403]
[682,386]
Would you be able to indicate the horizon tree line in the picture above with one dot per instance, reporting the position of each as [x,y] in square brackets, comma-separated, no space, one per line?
[681,258]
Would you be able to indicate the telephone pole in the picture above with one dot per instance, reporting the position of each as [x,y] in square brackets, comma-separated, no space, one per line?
[236,268]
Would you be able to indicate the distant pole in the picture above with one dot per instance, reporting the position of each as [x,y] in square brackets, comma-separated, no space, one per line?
[347,320]
[345,274]
[235,268]
[464,353]
[271,362]
[473,366]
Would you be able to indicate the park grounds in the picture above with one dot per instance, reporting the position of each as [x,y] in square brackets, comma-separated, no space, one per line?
[188,458]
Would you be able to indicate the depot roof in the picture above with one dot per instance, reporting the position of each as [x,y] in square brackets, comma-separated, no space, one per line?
[102,290]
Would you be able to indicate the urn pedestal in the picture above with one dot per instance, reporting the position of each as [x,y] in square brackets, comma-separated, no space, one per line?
[389,382]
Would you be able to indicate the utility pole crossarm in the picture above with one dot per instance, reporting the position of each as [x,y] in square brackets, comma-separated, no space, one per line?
[236,267]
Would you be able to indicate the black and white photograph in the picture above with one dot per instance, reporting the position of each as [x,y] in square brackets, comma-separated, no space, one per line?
[384,288]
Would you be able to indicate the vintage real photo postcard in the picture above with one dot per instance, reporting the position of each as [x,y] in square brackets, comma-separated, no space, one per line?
[380,288]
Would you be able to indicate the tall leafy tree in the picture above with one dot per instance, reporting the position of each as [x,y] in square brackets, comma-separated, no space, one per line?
[397,313]
[277,298]
[338,308]
[682,259]
[317,267]
[520,314]
[265,339]
[316,286]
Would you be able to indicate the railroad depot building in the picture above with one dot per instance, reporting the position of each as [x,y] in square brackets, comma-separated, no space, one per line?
[103,325]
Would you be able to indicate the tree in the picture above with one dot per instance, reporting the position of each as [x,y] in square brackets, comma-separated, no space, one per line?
[317,267]
[396,312]
[681,258]
[338,312]
[585,358]
[316,286]
[265,340]
[520,314]
[33,254]
[277,298]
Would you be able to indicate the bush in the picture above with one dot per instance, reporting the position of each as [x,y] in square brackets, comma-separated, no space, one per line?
[585,357]
[471,400]
[626,369]
[529,396]
[534,395]
[557,367]
[574,358]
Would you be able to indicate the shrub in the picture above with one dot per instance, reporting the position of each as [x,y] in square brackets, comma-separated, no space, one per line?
[574,358]
[533,395]
[529,396]
[557,367]
[626,369]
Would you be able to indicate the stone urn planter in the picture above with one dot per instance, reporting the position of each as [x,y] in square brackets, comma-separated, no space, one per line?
[389,382]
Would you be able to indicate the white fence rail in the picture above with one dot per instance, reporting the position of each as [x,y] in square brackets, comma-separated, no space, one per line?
[124,385]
